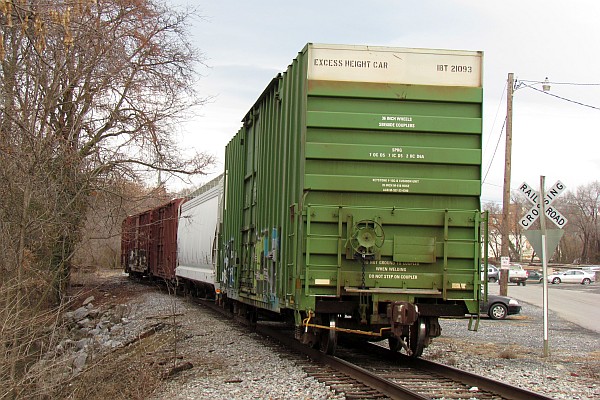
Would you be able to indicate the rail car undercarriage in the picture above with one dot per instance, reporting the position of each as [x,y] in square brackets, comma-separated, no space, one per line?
[405,328]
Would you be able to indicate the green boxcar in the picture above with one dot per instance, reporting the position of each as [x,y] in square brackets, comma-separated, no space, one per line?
[352,195]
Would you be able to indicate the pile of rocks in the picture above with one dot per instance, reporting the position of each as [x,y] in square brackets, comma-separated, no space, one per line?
[118,340]
[92,330]
[79,339]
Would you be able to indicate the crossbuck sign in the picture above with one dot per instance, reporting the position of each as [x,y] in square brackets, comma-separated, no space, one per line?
[534,198]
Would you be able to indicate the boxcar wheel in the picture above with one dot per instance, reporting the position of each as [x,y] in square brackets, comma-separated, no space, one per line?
[418,337]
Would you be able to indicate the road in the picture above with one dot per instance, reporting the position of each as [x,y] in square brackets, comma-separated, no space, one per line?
[579,304]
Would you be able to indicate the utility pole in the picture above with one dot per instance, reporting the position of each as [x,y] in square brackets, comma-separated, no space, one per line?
[504,249]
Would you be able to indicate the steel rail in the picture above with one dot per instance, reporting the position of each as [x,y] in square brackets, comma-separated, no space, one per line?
[385,386]
[487,384]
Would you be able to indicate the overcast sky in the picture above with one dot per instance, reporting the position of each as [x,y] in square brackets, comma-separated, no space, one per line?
[246,43]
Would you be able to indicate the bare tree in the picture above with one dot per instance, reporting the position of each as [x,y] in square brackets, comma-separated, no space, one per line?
[90,91]
[581,241]
[494,229]
[100,240]
[582,208]
[516,239]
[518,208]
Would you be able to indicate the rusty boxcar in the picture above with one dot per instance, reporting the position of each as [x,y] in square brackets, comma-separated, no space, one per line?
[149,241]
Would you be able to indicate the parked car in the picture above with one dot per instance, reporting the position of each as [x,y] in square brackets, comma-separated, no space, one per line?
[591,268]
[517,274]
[533,275]
[493,274]
[498,307]
[572,276]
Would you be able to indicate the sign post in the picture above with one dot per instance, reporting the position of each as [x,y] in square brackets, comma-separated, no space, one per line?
[543,243]
[544,268]
[503,277]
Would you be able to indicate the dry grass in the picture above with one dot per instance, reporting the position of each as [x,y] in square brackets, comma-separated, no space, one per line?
[105,285]
[483,349]
[457,347]
[131,372]
[509,353]
[588,366]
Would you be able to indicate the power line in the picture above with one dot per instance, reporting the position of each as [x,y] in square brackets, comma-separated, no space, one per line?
[558,97]
[493,184]
[496,117]
[560,83]
[523,83]
[499,136]
[495,151]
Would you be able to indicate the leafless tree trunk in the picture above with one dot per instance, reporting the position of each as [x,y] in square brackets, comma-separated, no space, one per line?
[90,91]
[582,208]
[494,229]
[515,244]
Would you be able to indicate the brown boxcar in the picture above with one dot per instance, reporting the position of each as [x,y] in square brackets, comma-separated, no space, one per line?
[163,233]
[136,243]
[149,242]
[127,241]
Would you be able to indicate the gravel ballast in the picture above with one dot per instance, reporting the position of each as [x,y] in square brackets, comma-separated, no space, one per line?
[227,362]
[239,367]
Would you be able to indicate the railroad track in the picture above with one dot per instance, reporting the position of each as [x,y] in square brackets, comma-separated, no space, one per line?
[431,379]
[373,372]
[370,371]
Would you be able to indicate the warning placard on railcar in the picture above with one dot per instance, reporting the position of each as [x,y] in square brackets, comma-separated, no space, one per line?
[395,65]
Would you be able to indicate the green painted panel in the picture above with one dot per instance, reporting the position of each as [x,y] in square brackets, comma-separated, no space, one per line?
[395,91]
[436,155]
[459,281]
[323,276]
[322,245]
[389,122]
[389,200]
[464,250]
[407,170]
[377,106]
[453,249]
[414,249]
[397,280]
[392,185]
[393,215]
[396,139]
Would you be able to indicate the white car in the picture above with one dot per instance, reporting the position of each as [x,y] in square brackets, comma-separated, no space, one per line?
[572,276]
[591,268]
[493,273]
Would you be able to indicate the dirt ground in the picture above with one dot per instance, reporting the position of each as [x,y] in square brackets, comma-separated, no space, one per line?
[135,370]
